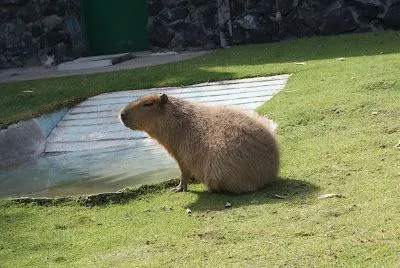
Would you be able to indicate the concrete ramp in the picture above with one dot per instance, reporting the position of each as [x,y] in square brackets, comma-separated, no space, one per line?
[91,152]
[94,124]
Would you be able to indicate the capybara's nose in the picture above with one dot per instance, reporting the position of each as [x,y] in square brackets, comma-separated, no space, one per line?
[123,115]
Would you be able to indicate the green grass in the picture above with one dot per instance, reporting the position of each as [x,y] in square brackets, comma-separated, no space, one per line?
[243,61]
[338,123]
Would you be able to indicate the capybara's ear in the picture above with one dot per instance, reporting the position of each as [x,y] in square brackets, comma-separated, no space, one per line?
[164,98]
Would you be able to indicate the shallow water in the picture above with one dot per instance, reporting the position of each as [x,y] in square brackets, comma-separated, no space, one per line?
[86,172]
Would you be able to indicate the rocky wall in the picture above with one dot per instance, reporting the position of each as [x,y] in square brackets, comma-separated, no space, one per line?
[30,30]
[264,21]
[183,24]
[194,23]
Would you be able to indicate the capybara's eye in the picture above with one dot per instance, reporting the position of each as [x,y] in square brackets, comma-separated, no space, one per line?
[147,104]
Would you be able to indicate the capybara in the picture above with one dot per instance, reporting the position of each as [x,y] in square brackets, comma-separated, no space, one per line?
[226,149]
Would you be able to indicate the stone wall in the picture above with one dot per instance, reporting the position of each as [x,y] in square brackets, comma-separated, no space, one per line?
[194,23]
[183,24]
[264,21]
[31,29]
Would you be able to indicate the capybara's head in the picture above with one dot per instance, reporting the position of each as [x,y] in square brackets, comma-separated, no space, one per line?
[142,113]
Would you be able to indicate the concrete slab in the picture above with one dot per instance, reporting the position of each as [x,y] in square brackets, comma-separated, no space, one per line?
[90,151]
[77,132]
[141,59]
[94,62]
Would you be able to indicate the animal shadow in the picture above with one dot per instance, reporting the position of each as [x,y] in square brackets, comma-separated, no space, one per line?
[285,190]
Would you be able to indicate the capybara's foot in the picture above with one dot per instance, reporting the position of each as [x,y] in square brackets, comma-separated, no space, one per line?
[180,188]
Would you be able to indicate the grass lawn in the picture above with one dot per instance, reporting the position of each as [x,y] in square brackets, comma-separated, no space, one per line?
[338,124]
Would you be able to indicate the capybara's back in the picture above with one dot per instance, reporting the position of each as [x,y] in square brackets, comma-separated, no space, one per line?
[243,154]
[227,149]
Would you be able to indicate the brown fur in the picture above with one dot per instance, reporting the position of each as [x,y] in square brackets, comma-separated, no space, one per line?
[226,149]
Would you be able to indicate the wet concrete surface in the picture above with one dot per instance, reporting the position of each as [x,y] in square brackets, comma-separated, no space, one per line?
[141,59]
[87,172]
[91,152]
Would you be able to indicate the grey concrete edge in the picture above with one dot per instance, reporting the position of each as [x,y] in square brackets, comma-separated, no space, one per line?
[27,139]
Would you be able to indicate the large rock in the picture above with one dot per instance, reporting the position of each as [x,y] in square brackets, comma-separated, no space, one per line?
[177,43]
[338,21]
[36,30]
[367,11]
[239,35]
[194,36]
[56,36]
[392,18]
[11,32]
[21,50]
[210,18]
[266,7]
[176,3]
[62,52]
[154,7]
[173,14]
[52,22]
[29,13]
[13,2]
[248,22]
[26,46]
[199,2]
[159,34]
[4,63]
[237,8]
[254,28]
[2,47]
[371,2]
[178,25]
[59,8]
[4,15]
[72,26]
[286,6]
[302,22]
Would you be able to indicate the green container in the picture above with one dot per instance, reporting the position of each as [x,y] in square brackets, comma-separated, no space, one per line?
[115,26]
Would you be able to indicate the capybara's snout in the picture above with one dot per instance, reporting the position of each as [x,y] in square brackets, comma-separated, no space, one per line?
[123,117]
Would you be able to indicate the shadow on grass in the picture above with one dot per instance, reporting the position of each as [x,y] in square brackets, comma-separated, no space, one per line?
[286,190]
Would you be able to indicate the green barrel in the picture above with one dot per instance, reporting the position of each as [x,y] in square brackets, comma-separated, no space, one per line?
[115,26]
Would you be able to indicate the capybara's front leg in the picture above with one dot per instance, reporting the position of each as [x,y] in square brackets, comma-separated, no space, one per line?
[182,187]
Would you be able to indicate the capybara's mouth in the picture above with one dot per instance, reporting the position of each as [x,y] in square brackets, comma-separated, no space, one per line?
[125,124]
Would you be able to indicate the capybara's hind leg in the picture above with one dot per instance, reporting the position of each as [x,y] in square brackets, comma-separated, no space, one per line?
[182,186]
